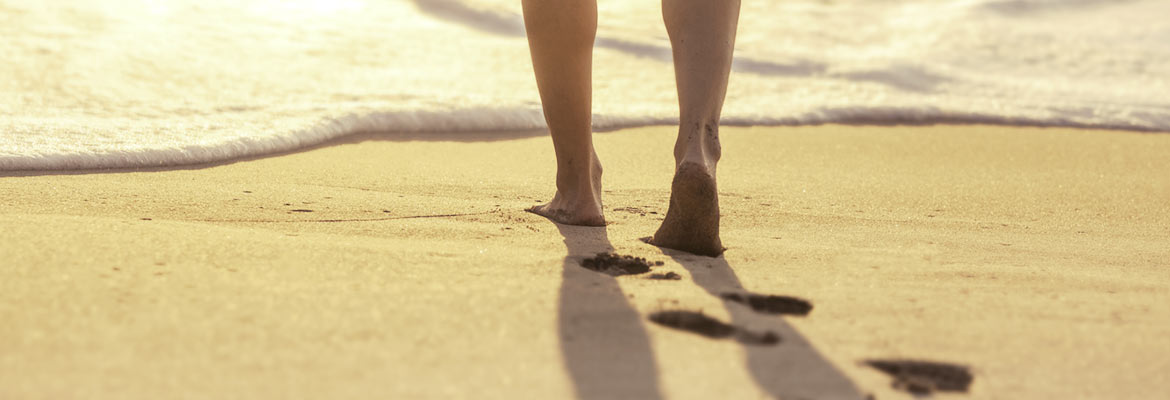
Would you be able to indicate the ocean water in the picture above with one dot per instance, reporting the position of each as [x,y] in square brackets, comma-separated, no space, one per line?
[102,84]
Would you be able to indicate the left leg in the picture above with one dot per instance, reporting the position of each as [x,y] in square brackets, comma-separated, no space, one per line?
[560,38]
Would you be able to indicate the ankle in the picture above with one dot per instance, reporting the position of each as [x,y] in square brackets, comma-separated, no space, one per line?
[698,143]
[570,177]
[574,182]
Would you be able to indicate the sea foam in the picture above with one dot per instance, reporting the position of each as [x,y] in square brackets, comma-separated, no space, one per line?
[91,84]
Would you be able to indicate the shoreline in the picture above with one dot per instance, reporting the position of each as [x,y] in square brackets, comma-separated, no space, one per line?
[491,135]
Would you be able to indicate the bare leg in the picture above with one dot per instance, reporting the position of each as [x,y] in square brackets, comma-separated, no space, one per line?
[560,38]
[702,37]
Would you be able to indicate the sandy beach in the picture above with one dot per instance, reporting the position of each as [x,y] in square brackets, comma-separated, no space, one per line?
[400,266]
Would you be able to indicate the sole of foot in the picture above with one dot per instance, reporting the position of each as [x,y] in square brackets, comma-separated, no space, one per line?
[692,220]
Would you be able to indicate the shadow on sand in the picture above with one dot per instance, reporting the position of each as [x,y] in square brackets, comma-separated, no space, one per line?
[607,351]
[794,369]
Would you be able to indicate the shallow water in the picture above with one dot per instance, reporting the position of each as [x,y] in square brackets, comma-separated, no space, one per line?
[93,84]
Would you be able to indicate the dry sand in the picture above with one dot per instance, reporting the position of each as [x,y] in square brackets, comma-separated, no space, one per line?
[1038,257]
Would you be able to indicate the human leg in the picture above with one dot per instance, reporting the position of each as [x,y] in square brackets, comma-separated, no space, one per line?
[560,38]
[702,38]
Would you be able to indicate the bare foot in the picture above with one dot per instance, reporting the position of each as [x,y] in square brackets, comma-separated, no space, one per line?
[577,201]
[568,214]
[692,221]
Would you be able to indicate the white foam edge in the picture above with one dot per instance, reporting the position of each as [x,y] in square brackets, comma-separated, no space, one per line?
[503,120]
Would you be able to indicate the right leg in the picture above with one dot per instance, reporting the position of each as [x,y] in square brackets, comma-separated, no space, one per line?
[702,38]
[560,38]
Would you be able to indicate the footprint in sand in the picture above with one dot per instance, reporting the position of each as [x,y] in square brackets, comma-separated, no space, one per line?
[668,276]
[770,304]
[700,324]
[924,377]
[614,264]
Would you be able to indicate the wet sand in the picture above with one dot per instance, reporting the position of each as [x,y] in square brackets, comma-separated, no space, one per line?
[391,266]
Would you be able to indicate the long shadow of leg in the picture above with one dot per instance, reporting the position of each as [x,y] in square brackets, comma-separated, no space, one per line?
[606,350]
[793,369]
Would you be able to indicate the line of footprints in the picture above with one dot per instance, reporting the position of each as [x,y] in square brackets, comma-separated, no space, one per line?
[914,376]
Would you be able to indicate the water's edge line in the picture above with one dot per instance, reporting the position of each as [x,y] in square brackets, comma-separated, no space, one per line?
[472,120]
